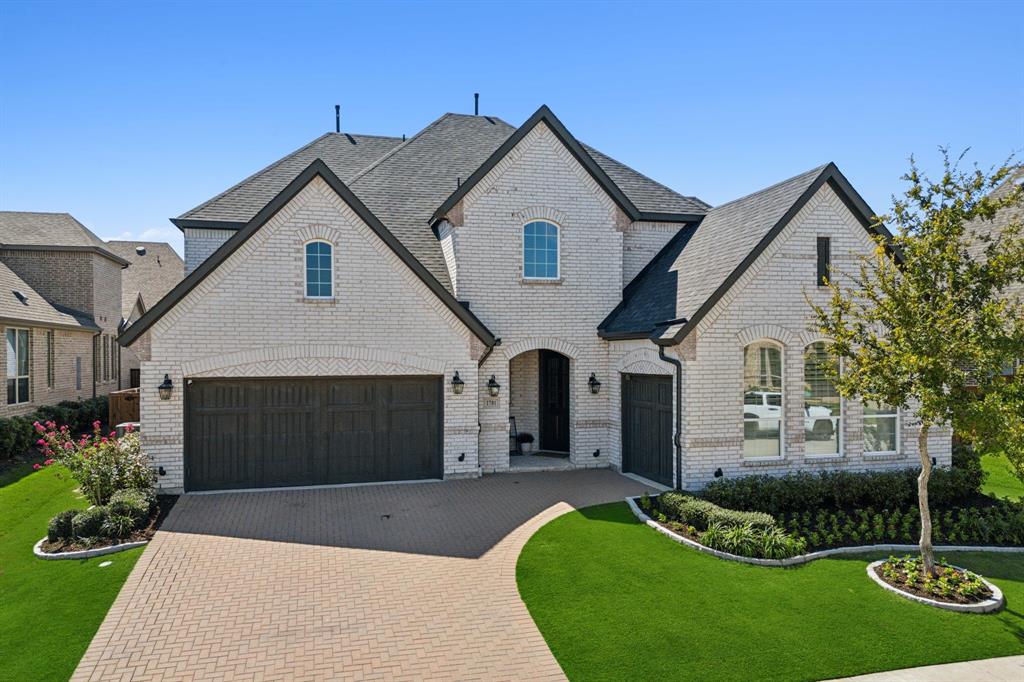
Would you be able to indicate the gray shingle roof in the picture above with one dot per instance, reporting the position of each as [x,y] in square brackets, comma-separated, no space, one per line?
[403,183]
[343,153]
[60,230]
[694,264]
[34,309]
[152,275]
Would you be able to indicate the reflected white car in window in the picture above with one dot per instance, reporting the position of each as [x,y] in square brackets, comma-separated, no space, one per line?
[766,408]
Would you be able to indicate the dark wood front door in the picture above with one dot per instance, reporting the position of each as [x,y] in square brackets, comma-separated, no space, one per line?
[647,426]
[554,401]
[257,433]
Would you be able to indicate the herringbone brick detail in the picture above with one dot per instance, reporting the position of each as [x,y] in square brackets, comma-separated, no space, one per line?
[399,582]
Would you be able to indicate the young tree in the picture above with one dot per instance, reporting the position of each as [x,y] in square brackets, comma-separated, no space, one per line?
[926,324]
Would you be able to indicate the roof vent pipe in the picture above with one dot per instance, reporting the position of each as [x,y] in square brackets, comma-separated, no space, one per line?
[337,118]
[476,103]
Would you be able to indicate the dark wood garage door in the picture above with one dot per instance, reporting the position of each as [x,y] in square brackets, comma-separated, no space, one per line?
[647,426]
[256,433]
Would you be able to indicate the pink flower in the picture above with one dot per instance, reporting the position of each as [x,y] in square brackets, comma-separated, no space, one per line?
[40,442]
[68,445]
[129,428]
[48,462]
[51,425]
[96,424]
[37,466]
[39,427]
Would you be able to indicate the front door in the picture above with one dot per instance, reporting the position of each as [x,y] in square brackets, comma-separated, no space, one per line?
[647,426]
[554,401]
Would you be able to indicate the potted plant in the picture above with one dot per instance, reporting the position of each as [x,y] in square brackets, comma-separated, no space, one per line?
[525,441]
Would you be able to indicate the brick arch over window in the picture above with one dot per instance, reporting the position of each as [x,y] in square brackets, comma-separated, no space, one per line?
[642,361]
[532,213]
[809,337]
[772,332]
[548,343]
[312,360]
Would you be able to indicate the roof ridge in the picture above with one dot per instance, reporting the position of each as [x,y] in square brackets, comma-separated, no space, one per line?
[258,173]
[379,137]
[590,149]
[815,170]
[387,155]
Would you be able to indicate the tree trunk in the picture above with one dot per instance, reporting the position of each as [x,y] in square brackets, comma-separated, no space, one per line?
[927,553]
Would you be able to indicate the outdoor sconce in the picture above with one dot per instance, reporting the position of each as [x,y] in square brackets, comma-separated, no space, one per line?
[458,384]
[595,385]
[165,388]
[493,386]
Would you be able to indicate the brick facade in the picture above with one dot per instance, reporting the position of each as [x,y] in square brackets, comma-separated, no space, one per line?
[250,318]
[200,245]
[70,348]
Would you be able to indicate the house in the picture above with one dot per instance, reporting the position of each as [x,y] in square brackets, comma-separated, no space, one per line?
[374,309]
[153,270]
[60,307]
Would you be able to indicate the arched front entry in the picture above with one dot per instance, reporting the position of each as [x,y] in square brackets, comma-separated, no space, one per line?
[540,401]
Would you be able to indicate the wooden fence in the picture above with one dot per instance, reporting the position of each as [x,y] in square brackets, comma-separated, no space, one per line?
[124,406]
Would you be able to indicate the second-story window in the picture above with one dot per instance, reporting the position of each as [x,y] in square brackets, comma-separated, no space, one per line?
[540,250]
[319,270]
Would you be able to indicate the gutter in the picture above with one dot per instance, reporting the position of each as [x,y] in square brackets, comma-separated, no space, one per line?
[487,353]
[677,437]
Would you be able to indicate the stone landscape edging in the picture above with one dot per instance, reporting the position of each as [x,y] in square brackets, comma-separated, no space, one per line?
[993,603]
[801,558]
[85,553]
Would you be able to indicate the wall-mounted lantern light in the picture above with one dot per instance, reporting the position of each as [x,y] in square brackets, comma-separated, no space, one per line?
[595,385]
[718,472]
[493,386]
[458,384]
[165,388]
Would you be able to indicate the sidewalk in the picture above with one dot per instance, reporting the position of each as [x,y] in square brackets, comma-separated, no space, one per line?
[1005,669]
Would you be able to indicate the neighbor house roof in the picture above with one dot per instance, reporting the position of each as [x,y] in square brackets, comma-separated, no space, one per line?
[50,232]
[404,183]
[316,169]
[991,229]
[150,274]
[697,267]
[20,303]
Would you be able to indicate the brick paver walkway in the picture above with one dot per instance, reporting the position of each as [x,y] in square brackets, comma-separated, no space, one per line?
[381,582]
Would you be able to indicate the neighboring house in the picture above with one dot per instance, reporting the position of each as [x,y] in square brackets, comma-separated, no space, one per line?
[60,307]
[987,231]
[371,309]
[154,268]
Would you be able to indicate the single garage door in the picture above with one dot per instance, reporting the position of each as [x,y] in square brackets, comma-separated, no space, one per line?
[257,433]
[647,426]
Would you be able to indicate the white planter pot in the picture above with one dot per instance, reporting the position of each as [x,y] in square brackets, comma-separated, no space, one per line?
[527,448]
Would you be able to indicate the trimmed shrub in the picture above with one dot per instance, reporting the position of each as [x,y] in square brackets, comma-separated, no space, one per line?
[89,523]
[60,526]
[703,514]
[134,504]
[836,490]
[16,436]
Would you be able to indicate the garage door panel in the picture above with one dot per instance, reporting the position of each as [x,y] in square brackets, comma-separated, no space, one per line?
[309,431]
[647,426]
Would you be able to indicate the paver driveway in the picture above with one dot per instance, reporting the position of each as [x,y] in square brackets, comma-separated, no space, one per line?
[379,582]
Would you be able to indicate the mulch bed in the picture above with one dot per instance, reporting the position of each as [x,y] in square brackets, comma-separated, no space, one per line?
[918,590]
[164,504]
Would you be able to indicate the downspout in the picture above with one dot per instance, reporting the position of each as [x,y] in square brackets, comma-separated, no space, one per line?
[677,438]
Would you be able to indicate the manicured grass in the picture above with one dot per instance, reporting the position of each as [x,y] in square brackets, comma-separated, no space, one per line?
[1001,482]
[50,609]
[616,600]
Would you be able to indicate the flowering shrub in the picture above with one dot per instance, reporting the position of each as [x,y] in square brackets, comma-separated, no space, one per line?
[101,464]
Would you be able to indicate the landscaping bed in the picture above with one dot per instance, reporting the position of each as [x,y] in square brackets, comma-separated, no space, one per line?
[143,532]
[951,585]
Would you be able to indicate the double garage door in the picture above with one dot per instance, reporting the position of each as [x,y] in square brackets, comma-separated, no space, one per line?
[255,433]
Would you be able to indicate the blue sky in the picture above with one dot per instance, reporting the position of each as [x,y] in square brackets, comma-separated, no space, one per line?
[127,114]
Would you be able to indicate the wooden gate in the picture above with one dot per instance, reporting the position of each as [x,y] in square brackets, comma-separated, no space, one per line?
[123,406]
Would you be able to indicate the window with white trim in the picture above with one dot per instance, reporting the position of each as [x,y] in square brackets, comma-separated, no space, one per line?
[762,400]
[319,270]
[540,250]
[823,406]
[17,366]
[881,429]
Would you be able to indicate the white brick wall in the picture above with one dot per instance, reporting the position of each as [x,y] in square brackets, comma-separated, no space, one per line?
[200,245]
[769,302]
[249,318]
[539,179]
[640,243]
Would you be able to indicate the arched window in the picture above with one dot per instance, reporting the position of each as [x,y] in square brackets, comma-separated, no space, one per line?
[762,400]
[822,405]
[319,270]
[540,250]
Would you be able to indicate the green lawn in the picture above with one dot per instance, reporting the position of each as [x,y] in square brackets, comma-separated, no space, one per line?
[616,600]
[1001,482]
[50,609]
